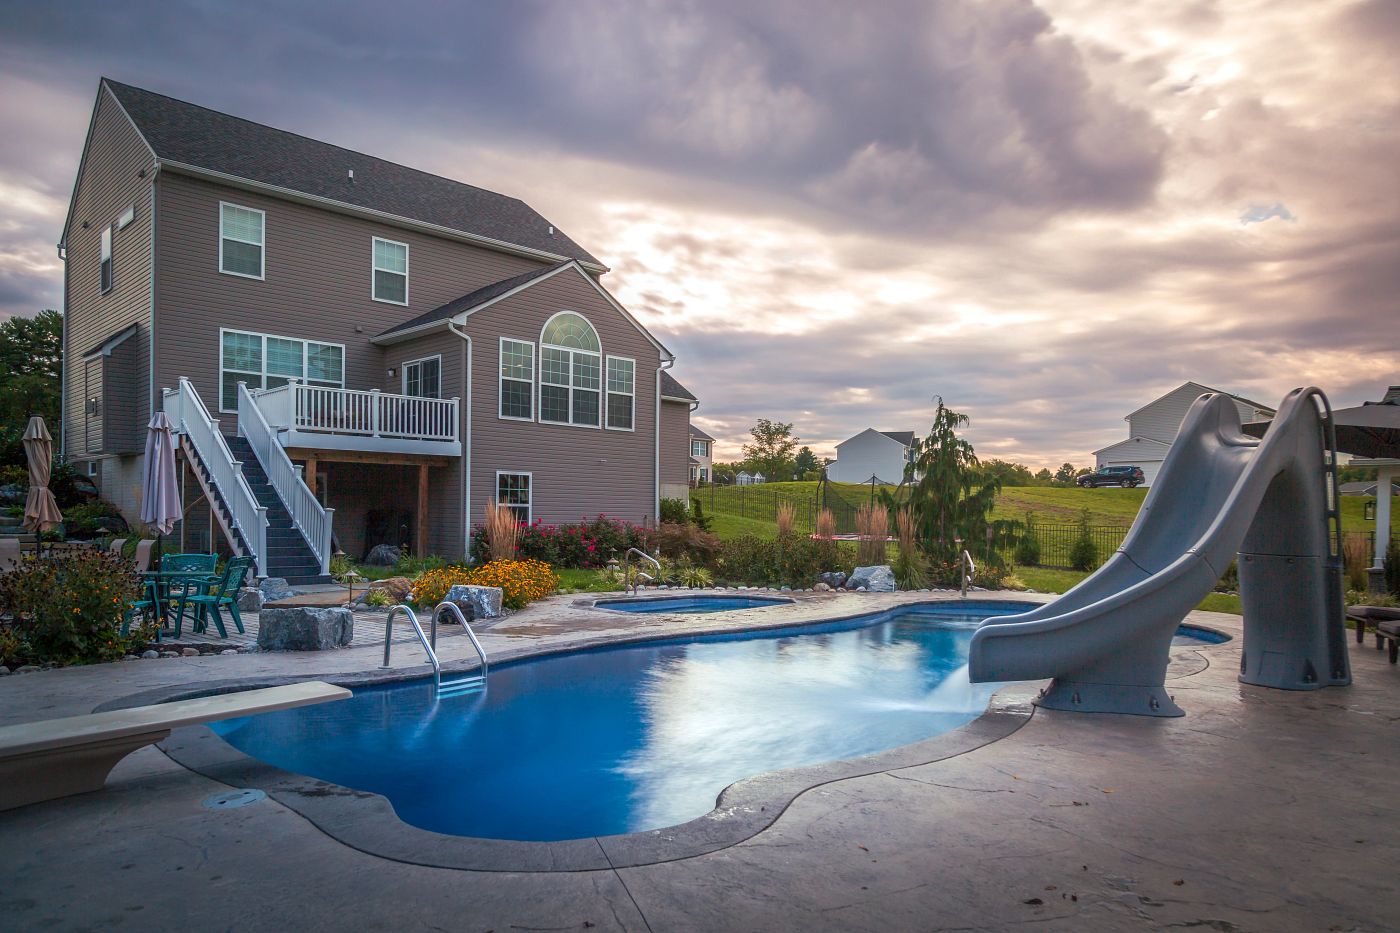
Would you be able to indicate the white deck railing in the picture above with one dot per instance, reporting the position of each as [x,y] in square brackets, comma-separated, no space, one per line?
[359,419]
[308,515]
[191,418]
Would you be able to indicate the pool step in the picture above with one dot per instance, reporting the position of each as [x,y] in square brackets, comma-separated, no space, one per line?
[464,685]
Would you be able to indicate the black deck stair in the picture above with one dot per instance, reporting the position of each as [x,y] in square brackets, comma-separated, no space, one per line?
[288,555]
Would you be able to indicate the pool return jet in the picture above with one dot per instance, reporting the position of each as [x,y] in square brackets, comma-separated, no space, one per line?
[1220,492]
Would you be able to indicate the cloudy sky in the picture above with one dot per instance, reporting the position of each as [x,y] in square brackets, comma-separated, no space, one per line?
[1046,213]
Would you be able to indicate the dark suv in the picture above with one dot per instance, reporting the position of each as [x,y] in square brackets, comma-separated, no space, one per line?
[1125,476]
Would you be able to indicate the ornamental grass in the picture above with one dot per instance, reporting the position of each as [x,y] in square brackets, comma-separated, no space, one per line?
[521,582]
[872,524]
[502,531]
[786,518]
[826,524]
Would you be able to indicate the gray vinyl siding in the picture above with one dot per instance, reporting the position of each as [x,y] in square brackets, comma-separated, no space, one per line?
[109,182]
[446,531]
[1162,419]
[675,443]
[316,285]
[577,471]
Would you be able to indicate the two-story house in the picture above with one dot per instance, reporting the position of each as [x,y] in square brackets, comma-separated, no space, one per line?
[1152,428]
[702,457]
[352,351]
[881,454]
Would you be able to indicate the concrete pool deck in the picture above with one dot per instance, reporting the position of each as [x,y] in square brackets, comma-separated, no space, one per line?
[1260,810]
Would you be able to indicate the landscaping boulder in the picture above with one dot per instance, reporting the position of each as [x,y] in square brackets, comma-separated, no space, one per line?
[383,555]
[834,579]
[476,602]
[305,629]
[275,588]
[250,599]
[877,579]
[822,587]
[398,588]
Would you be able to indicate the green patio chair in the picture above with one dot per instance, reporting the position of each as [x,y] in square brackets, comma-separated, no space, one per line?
[220,591]
[206,564]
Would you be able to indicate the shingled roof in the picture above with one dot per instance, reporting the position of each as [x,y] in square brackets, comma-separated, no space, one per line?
[670,388]
[470,300]
[194,136]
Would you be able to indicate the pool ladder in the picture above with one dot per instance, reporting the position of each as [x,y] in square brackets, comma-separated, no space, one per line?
[468,684]
[627,581]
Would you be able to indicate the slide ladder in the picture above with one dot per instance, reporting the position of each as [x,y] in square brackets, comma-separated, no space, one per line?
[1220,495]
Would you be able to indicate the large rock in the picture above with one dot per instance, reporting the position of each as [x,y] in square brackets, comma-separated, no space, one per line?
[834,579]
[398,588]
[877,579]
[275,588]
[476,602]
[250,599]
[304,629]
[383,555]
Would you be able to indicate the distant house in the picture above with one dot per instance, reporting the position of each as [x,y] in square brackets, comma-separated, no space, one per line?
[745,478]
[1152,428]
[677,402]
[702,460]
[1365,488]
[881,454]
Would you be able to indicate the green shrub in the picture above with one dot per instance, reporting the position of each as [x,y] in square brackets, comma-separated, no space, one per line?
[14,474]
[1027,552]
[380,597]
[674,511]
[340,567]
[747,559]
[695,577]
[1392,566]
[698,517]
[67,608]
[410,566]
[1229,581]
[1083,553]
[90,519]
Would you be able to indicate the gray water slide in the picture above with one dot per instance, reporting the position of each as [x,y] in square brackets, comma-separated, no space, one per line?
[1106,642]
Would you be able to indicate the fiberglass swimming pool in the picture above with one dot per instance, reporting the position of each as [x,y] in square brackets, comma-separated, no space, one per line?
[629,738]
[689,604]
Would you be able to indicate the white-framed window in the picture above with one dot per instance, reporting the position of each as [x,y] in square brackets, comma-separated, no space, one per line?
[241,240]
[622,393]
[423,378]
[699,448]
[93,468]
[390,271]
[571,371]
[513,490]
[517,380]
[104,269]
[266,361]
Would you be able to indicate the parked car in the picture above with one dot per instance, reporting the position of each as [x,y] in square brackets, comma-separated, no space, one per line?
[1125,476]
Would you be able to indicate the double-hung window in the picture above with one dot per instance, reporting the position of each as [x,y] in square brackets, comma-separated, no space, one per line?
[513,492]
[622,393]
[390,271]
[571,371]
[699,448]
[241,240]
[423,378]
[264,361]
[105,267]
[517,379]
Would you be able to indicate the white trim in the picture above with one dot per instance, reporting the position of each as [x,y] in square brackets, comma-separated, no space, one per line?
[397,220]
[375,241]
[87,142]
[1139,439]
[534,380]
[262,376]
[466,432]
[529,506]
[573,351]
[403,374]
[677,398]
[632,395]
[262,255]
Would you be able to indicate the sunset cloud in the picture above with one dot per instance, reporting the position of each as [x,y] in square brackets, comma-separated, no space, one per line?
[1045,213]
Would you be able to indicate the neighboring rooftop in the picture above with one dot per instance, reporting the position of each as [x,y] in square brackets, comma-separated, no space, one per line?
[196,136]
[904,437]
[670,388]
[699,433]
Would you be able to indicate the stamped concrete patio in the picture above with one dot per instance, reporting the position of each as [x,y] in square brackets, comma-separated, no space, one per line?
[1259,811]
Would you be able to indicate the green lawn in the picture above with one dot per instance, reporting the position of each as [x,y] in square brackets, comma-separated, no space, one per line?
[584,581]
[1059,581]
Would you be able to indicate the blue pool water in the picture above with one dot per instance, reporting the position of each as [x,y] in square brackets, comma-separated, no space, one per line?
[626,739]
[1191,635]
[690,603]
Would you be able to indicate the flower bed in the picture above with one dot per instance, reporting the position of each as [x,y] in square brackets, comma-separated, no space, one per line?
[521,582]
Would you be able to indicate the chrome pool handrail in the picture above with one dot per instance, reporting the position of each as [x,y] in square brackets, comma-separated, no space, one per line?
[627,567]
[968,569]
[422,639]
[457,610]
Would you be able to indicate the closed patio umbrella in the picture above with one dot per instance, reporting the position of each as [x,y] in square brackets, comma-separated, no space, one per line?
[40,509]
[160,498]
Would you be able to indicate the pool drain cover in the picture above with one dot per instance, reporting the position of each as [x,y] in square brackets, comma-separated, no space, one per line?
[233,799]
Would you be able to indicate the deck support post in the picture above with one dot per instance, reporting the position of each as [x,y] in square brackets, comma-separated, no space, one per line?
[420,548]
[310,477]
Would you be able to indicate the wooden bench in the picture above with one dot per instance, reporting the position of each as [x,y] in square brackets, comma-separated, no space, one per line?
[60,757]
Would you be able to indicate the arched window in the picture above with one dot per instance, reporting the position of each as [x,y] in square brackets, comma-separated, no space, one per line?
[571,368]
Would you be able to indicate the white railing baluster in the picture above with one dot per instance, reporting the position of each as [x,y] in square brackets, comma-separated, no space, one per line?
[192,418]
[308,515]
[372,413]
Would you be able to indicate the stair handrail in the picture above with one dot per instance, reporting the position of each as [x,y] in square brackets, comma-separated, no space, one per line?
[422,640]
[457,611]
[192,419]
[968,570]
[309,517]
[627,568]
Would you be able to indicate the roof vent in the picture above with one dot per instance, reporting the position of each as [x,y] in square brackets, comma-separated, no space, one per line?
[551,230]
[350,174]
